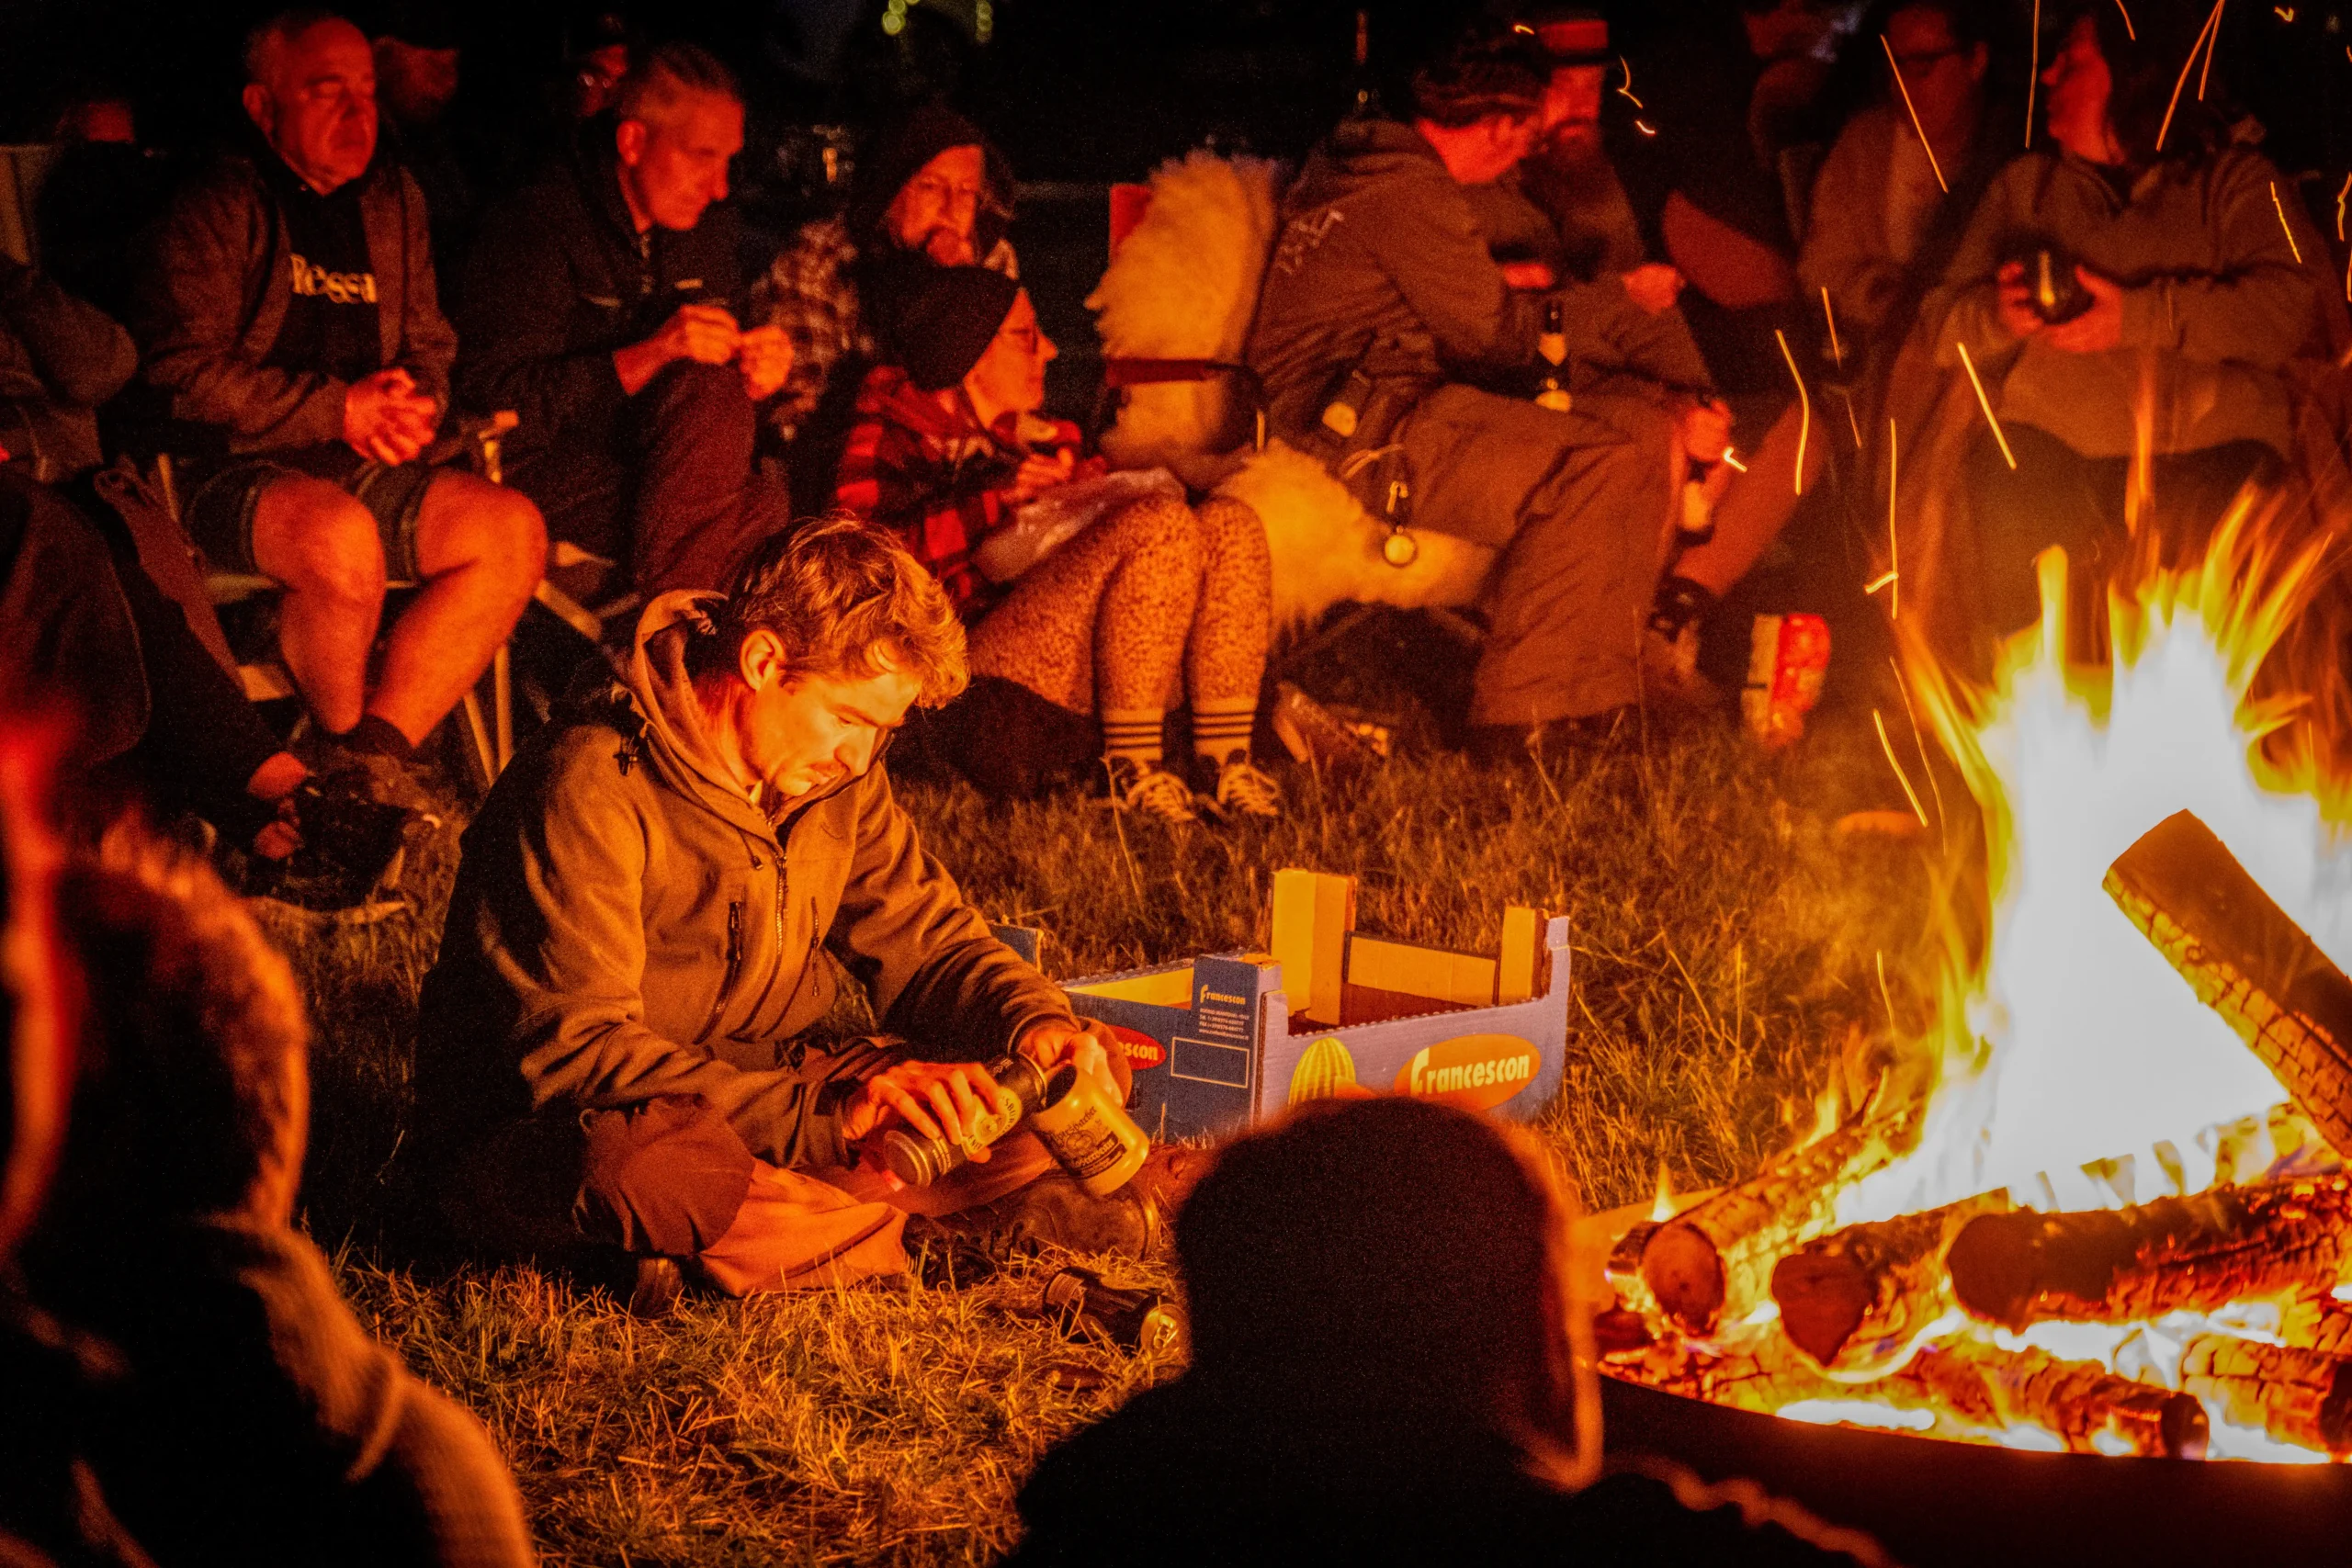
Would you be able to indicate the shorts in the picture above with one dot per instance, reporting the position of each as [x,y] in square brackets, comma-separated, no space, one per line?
[219,511]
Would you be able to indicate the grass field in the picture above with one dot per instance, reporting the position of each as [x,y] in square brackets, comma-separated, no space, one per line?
[1726,946]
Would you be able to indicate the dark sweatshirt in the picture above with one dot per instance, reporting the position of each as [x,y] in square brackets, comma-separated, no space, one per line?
[60,358]
[561,278]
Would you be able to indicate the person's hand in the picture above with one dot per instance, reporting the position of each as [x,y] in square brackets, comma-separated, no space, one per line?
[938,1100]
[765,356]
[1528,274]
[386,417]
[1654,287]
[2097,329]
[1051,1044]
[1041,471]
[2013,302]
[1705,431]
[705,333]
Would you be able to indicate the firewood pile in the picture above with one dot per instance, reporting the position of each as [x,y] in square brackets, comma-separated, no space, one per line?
[2128,1331]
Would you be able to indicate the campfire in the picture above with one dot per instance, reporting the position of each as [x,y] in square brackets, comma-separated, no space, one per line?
[2096,1206]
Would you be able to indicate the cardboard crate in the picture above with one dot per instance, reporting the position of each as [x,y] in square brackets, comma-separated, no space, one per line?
[1219,1041]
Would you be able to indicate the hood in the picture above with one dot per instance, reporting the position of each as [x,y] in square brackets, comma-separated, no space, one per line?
[658,687]
[1367,148]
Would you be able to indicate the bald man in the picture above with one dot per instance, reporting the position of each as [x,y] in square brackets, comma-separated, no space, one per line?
[289,308]
[603,305]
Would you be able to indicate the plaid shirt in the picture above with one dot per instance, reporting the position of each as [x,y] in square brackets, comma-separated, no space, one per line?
[935,478]
[810,290]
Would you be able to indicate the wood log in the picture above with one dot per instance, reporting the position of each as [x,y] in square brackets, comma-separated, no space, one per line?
[2082,1403]
[2122,1265]
[2302,1397]
[1856,1300]
[2318,1322]
[1713,1261]
[2247,961]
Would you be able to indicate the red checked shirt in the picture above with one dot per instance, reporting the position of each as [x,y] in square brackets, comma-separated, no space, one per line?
[937,478]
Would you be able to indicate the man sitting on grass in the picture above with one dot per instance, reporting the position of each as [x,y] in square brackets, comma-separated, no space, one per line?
[614,1055]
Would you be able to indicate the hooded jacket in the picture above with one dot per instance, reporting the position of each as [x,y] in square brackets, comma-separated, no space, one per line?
[208,307]
[60,358]
[559,280]
[627,924]
[1382,262]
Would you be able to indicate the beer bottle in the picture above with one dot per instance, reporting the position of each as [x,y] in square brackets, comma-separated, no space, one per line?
[1554,348]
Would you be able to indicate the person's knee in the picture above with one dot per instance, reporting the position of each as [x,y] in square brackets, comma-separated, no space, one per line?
[706,399]
[495,530]
[1164,531]
[667,1176]
[328,544]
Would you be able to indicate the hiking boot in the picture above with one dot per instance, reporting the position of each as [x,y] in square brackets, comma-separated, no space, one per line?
[1244,791]
[1150,791]
[352,848]
[1168,1175]
[1524,745]
[1055,1210]
[374,775]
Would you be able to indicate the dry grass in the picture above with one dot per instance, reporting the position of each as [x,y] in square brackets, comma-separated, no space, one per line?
[1724,940]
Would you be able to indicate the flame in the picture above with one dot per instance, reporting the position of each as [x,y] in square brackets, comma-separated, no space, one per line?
[2069,1041]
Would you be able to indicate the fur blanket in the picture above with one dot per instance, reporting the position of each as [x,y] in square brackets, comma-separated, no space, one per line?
[1184,286]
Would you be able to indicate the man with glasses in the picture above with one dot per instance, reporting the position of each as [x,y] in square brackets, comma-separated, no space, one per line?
[615,1057]
[600,307]
[1878,205]
[929,190]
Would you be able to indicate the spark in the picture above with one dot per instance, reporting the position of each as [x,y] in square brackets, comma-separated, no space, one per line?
[2212,44]
[1851,422]
[2211,19]
[1878,957]
[1883,580]
[1645,128]
[1937,169]
[2129,33]
[2342,193]
[1805,406]
[1986,404]
[1732,458]
[1892,761]
[2284,12]
[1836,353]
[1926,764]
[1627,92]
[1893,557]
[2281,209]
[2033,67]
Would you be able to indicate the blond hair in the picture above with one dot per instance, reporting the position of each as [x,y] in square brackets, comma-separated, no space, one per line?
[846,600]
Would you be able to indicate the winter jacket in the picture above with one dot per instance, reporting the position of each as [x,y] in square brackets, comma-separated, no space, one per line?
[208,307]
[2215,302]
[1381,261]
[557,281]
[627,924]
[60,358]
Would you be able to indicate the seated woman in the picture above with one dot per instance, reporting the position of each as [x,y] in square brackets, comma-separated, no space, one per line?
[2138,282]
[948,450]
[1381,1373]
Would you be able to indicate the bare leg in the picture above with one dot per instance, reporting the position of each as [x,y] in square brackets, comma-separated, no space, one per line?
[1758,505]
[481,550]
[320,546]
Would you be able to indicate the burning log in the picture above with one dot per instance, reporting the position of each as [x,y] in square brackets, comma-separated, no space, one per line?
[2302,1397]
[1855,1300]
[2246,959]
[2122,1265]
[1715,1257]
[2087,1407]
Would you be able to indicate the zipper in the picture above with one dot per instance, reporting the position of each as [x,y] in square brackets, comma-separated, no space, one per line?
[734,968]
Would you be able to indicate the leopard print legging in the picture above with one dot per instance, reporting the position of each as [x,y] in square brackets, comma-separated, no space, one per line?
[1157,594]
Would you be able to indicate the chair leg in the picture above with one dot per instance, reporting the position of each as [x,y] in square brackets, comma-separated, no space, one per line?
[502,692]
[484,755]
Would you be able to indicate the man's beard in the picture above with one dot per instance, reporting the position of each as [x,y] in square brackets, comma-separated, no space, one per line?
[1572,143]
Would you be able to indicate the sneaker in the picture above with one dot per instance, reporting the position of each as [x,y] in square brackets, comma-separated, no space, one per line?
[1054,1211]
[352,848]
[1244,789]
[1153,791]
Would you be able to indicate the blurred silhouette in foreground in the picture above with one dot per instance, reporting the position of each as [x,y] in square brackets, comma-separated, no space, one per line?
[1382,1372]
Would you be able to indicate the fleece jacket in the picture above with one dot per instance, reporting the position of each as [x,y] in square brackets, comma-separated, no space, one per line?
[629,923]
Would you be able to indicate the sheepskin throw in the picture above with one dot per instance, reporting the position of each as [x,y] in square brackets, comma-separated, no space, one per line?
[1326,549]
[1183,286]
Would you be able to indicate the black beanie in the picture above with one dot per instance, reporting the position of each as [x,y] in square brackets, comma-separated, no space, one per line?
[898,155]
[944,321]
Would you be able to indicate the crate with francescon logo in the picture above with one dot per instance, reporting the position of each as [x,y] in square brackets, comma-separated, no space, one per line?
[1219,1041]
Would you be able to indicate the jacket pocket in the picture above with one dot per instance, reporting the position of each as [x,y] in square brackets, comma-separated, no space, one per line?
[733,972]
